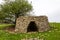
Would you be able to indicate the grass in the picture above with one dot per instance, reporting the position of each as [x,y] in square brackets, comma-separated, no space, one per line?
[53,34]
[2,26]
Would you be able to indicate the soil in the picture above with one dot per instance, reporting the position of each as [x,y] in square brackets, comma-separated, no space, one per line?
[10,29]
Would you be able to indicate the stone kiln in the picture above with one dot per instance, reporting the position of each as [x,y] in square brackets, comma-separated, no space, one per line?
[26,24]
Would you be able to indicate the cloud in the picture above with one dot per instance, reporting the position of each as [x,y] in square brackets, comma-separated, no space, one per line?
[50,8]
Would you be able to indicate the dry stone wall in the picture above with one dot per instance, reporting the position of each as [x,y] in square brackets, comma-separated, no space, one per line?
[40,21]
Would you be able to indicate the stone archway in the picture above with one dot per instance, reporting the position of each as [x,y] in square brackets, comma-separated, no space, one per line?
[38,24]
[32,27]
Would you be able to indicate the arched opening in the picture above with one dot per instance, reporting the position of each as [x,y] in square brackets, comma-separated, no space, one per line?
[32,27]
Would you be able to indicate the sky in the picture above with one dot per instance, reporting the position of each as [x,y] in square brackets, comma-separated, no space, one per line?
[50,8]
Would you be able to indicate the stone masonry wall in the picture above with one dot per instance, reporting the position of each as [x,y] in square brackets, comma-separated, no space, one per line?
[23,22]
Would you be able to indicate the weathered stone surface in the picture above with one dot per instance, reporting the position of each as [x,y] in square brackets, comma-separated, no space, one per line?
[23,22]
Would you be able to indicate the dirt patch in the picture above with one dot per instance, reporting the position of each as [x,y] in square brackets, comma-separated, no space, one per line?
[10,29]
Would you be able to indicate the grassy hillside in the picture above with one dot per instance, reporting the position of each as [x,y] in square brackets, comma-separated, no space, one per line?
[52,34]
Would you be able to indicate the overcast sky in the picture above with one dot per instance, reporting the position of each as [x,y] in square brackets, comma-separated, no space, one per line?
[50,8]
